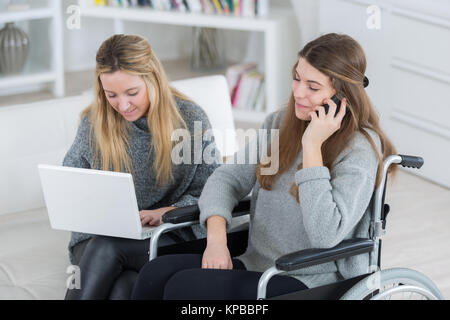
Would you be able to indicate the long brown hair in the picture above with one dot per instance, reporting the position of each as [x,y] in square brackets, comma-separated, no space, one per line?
[343,60]
[133,54]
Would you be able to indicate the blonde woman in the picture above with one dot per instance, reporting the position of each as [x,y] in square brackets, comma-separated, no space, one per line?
[128,129]
[329,166]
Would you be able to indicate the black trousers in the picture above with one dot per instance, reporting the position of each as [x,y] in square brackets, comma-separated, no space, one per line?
[180,277]
[109,266]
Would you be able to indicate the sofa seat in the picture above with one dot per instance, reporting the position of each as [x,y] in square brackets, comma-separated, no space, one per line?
[33,257]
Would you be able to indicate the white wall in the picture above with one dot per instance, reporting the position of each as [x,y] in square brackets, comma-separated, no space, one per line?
[409,70]
[307,12]
[439,8]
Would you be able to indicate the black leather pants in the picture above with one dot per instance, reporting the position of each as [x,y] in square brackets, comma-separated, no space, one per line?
[109,266]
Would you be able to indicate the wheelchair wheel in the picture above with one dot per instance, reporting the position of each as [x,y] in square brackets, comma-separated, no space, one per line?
[394,284]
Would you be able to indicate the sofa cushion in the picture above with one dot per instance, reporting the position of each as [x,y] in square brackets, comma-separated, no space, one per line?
[33,257]
[34,133]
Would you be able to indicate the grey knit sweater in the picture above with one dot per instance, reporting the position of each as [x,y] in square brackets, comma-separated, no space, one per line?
[189,179]
[333,206]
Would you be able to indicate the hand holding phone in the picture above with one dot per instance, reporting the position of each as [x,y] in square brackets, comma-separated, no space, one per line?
[321,128]
[327,107]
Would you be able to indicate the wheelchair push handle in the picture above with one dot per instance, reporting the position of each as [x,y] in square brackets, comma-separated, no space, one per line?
[411,161]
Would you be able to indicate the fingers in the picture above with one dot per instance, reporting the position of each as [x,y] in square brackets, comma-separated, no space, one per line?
[218,266]
[343,110]
[321,110]
[141,216]
[216,261]
[332,108]
[154,221]
[313,115]
[150,221]
[318,113]
[150,217]
[145,220]
[215,264]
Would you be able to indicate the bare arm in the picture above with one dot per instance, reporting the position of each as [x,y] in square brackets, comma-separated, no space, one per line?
[216,255]
[312,157]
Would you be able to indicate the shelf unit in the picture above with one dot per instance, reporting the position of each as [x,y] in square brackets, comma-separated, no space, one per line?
[34,73]
[281,41]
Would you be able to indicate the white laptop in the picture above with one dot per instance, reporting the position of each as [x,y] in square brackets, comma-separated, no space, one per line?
[92,201]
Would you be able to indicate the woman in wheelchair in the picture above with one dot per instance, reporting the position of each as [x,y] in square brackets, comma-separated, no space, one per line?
[329,165]
[128,128]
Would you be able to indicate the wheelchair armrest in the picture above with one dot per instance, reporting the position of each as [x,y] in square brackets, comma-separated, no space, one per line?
[192,213]
[310,257]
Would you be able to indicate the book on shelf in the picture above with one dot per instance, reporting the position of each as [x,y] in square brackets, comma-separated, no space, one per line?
[248,8]
[217,6]
[194,6]
[234,73]
[101,2]
[260,98]
[246,86]
[244,8]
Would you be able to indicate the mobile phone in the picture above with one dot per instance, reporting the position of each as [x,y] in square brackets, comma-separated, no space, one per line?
[327,107]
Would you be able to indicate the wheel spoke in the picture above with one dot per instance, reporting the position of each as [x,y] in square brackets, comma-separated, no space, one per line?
[395,284]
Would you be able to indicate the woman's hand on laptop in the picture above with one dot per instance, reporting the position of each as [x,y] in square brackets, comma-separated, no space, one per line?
[153,217]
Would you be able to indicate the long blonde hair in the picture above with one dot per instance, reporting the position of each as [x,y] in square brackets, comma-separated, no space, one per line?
[342,59]
[110,131]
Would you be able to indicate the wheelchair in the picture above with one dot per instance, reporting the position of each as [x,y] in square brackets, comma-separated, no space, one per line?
[377,284]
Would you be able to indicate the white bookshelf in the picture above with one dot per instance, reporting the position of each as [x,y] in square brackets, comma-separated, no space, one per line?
[36,73]
[249,116]
[281,41]
[31,14]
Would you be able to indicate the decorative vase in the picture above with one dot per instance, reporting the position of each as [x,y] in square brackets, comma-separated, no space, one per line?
[207,53]
[14,49]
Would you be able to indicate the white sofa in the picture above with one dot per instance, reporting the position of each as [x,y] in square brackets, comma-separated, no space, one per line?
[33,257]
